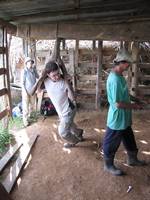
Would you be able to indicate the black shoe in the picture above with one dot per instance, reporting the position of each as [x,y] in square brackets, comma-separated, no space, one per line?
[69,145]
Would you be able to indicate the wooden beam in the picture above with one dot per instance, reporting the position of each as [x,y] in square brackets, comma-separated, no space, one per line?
[99,76]
[3,91]
[144,90]
[7,157]
[25,43]
[8,75]
[137,31]
[76,62]
[32,48]
[134,76]
[144,65]
[63,44]
[86,77]
[94,45]
[2,50]
[4,113]
[81,14]
[85,91]
[146,87]
[11,29]
[3,71]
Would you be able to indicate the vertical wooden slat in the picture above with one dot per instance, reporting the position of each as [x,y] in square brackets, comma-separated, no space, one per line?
[25,47]
[99,76]
[3,114]
[2,71]
[32,48]
[10,66]
[134,80]
[76,63]
[72,65]
[63,44]
[8,77]
[121,44]
[94,44]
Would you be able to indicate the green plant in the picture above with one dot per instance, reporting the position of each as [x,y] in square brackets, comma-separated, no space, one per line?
[5,138]
[15,123]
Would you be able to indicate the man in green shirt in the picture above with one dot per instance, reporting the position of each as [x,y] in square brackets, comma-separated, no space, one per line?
[119,118]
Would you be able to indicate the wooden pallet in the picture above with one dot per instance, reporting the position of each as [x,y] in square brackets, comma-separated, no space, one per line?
[3,193]
[14,171]
[7,157]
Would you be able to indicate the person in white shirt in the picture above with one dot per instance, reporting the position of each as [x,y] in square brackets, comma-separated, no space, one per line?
[63,100]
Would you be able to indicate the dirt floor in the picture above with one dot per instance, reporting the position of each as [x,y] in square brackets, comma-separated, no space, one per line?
[55,173]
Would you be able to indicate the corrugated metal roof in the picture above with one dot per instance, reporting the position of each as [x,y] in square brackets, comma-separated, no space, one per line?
[102,11]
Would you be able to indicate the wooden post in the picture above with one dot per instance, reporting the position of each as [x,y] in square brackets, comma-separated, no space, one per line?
[134,80]
[94,44]
[121,44]
[76,63]
[32,49]
[63,44]
[25,47]
[6,102]
[8,77]
[72,66]
[99,76]
[127,46]
[10,67]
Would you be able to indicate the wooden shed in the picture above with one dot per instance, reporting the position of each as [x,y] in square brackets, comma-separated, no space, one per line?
[127,22]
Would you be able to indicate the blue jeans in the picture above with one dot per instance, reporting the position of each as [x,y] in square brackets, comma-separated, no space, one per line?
[113,138]
[67,129]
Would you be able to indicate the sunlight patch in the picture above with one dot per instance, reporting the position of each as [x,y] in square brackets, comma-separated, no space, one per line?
[55,126]
[146,152]
[18,181]
[66,150]
[55,136]
[143,142]
[137,131]
[28,161]
[97,130]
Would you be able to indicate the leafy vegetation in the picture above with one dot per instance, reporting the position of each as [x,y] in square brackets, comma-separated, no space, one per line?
[5,136]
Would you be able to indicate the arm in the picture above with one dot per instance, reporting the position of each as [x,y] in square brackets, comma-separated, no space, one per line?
[23,80]
[130,106]
[117,96]
[70,94]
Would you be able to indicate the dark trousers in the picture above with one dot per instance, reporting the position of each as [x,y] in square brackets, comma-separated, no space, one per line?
[113,138]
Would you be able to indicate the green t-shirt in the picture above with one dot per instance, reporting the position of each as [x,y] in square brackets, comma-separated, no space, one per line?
[117,91]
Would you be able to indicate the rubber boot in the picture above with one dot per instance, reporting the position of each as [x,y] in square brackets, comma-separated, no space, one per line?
[132,159]
[110,167]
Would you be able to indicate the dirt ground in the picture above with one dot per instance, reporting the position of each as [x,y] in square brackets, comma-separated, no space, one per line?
[55,173]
